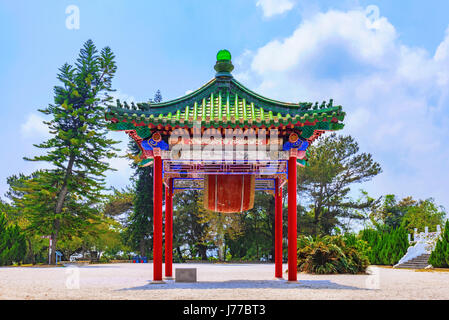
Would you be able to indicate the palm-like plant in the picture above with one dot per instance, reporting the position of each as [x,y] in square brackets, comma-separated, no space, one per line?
[332,254]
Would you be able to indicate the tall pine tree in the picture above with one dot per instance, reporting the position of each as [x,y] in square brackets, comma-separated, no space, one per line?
[78,148]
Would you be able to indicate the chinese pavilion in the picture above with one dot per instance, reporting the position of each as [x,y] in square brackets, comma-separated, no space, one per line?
[264,141]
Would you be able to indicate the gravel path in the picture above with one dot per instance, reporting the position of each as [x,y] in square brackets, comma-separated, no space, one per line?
[216,281]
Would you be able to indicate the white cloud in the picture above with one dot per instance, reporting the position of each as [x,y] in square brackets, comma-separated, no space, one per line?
[34,127]
[274,7]
[395,96]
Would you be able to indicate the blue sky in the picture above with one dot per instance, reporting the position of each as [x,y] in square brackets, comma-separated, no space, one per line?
[385,62]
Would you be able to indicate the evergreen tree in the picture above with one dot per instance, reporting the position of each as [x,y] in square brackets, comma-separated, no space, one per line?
[334,165]
[139,230]
[256,236]
[439,257]
[189,233]
[4,250]
[388,246]
[157,97]
[12,243]
[78,149]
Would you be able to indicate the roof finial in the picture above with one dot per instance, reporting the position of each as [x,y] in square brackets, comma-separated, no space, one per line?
[224,64]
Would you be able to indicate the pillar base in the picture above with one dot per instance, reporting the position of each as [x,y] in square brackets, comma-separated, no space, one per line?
[292,281]
[279,278]
[157,282]
[169,278]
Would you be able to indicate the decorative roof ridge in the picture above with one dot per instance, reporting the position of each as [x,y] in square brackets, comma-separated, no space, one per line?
[286,107]
[183,98]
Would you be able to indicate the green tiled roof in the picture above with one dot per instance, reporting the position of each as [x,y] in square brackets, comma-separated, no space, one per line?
[223,103]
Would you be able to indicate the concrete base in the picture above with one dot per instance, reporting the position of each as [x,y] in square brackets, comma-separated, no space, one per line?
[185,275]
[169,278]
[157,282]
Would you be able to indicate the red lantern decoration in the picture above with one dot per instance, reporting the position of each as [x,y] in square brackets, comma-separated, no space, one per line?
[229,193]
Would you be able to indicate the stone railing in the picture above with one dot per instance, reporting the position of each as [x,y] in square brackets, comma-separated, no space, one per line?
[422,243]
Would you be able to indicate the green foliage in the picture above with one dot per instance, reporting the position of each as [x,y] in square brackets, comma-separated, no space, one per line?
[188,232]
[439,258]
[335,164]
[423,213]
[388,246]
[139,225]
[332,254]
[408,213]
[256,236]
[12,243]
[66,195]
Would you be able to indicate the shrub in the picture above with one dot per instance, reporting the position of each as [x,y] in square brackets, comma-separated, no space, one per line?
[12,243]
[332,254]
[387,246]
[439,258]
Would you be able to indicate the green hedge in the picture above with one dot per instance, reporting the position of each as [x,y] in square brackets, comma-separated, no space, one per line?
[439,258]
[12,243]
[387,247]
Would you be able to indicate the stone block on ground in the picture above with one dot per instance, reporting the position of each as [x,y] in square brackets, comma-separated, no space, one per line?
[185,275]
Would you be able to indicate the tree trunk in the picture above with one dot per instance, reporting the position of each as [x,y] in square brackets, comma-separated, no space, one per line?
[54,240]
[220,248]
[31,253]
[58,208]
[178,250]
[202,249]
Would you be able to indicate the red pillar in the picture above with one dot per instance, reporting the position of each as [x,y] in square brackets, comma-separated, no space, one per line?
[292,230]
[168,231]
[157,219]
[278,229]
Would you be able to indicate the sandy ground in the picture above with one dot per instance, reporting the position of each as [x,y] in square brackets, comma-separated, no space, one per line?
[216,281]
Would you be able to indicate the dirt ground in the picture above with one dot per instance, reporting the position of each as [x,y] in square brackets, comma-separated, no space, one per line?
[216,281]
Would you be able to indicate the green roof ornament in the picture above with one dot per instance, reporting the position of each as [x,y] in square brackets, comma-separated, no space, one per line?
[224,65]
[223,55]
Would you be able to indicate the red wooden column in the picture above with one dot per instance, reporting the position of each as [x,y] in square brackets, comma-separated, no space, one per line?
[157,219]
[278,229]
[292,230]
[168,231]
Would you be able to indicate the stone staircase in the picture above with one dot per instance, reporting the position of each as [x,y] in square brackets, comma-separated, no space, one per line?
[419,262]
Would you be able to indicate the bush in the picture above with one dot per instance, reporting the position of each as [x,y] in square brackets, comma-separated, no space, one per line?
[387,246]
[12,243]
[332,254]
[439,258]
[105,259]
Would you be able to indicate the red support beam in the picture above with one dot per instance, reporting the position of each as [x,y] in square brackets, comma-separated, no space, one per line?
[157,219]
[292,229]
[278,229]
[169,231]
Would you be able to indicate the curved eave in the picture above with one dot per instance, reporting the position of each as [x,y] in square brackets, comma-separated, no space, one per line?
[296,121]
